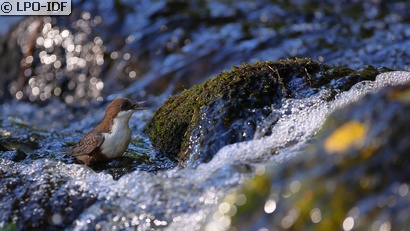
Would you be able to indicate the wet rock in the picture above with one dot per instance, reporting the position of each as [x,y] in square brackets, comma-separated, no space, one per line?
[15,155]
[354,176]
[37,198]
[226,109]
[23,144]
[10,53]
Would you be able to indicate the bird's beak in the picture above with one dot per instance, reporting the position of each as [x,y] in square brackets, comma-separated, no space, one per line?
[138,106]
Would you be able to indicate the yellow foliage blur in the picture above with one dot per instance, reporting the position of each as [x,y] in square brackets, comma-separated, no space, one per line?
[349,134]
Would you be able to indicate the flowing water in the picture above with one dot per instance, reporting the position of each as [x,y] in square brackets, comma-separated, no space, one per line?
[167,197]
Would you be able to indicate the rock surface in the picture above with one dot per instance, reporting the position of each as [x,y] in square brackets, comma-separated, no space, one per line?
[227,108]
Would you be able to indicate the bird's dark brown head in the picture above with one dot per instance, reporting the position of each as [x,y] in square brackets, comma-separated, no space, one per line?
[119,108]
[122,104]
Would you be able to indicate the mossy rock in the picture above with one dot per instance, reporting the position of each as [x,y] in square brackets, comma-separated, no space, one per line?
[226,109]
[355,176]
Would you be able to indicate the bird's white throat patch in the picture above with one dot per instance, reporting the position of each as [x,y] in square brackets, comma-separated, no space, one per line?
[116,142]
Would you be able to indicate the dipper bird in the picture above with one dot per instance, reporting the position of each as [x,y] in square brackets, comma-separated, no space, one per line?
[111,137]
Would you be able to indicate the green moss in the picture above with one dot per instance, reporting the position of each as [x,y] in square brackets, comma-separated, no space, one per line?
[8,227]
[247,86]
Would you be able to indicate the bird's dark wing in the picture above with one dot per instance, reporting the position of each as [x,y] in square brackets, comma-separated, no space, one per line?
[88,144]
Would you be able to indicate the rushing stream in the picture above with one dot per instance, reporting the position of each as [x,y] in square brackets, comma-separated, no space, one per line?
[58,75]
[175,199]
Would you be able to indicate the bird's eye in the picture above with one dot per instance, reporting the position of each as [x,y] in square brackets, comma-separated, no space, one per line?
[125,106]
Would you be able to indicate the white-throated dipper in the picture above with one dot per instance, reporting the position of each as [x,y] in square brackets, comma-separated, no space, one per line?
[111,137]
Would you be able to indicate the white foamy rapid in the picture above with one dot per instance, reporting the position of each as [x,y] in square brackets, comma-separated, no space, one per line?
[305,118]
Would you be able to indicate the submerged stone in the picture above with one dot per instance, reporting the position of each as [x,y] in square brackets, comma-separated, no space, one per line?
[22,144]
[15,155]
[39,198]
[226,109]
[355,176]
